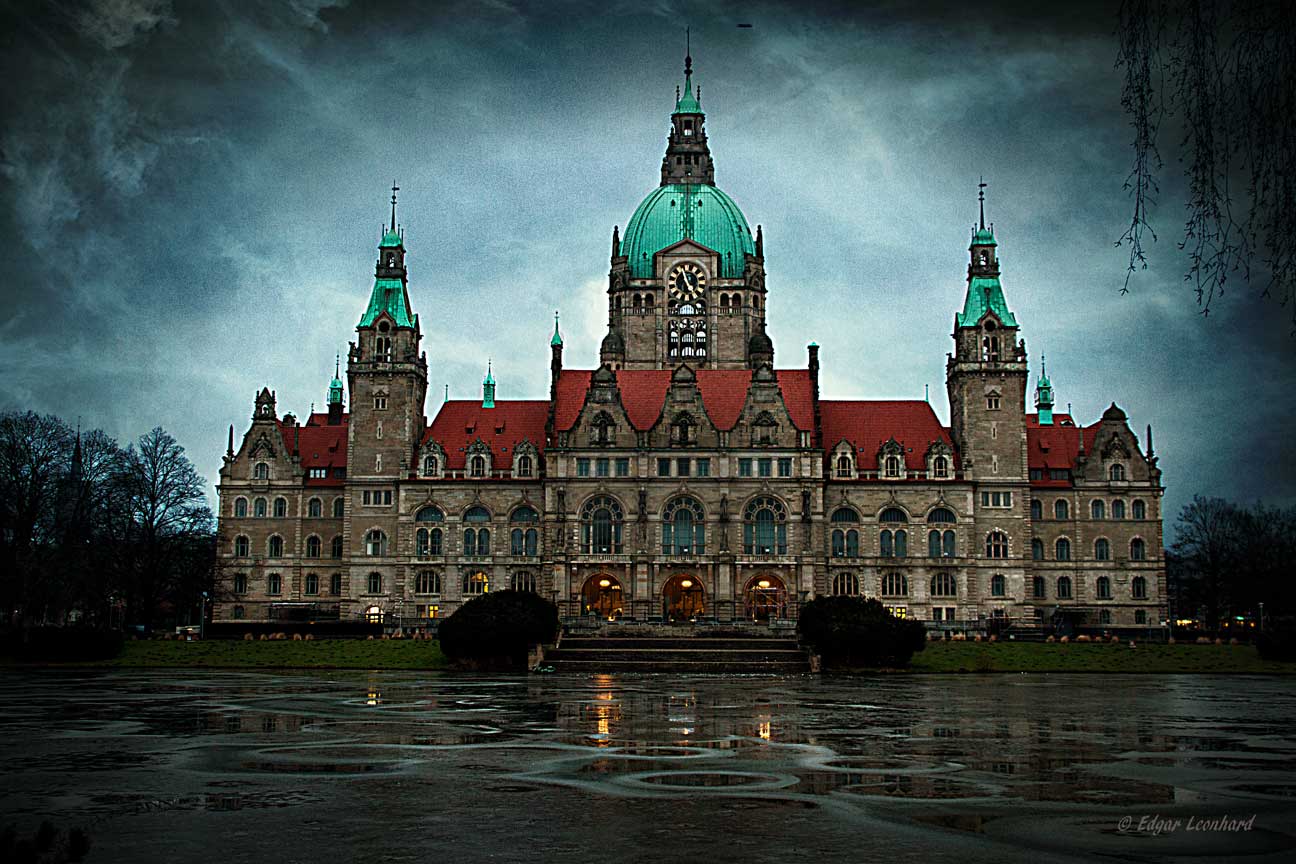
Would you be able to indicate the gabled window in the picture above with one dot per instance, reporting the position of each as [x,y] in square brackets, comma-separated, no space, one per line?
[1116,472]
[683,429]
[891,466]
[940,468]
[261,471]
[477,466]
[524,467]
[845,467]
[603,429]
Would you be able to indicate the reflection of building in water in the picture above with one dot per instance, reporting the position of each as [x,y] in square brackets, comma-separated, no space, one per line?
[687,477]
[621,715]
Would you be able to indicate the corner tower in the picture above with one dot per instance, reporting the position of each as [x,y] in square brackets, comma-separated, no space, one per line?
[985,377]
[687,281]
[386,372]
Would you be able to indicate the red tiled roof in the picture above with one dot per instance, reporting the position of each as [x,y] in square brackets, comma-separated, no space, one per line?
[320,446]
[724,393]
[1055,446]
[462,421]
[867,425]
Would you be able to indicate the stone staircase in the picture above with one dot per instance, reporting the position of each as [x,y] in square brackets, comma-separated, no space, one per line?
[733,655]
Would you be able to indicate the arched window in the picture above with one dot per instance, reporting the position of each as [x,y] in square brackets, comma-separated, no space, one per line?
[845,584]
[683,529]
[1037,587]
[682,429]
[1098,509]
[524,514]
[429,541]
[1140,509]
[427,582]
[1064,588]
[1037,549]
[845,515]
[430,465]
[845,543]
[765,527]
[1116,472]
[1062,549]
[274,584]
[996,545]
[259,508]
[524,581]
[274,548]
[339,507]
[313,547]
[1061,510]
[476,514]
[601,523]
[476,541]
[944,584]
[1138,588]
[242,547]
[524,466]
[375,583]
[1138,549]
[261,471]
[312,583]
[281,508]
[893,514]
[1104,588]
[1037,509]
[383,348]
[941,516]
[240,583]
[940,467]
[475,583]
[998,585]
[844,467]
[1118,509]
[315,508]
[893,544]
[375,543]
[477,466]
[522,541]
[337,546]
[1102,549]
[240,507]
[891,466]
[895,584]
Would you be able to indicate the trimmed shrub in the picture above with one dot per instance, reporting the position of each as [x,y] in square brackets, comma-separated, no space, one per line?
[853,631]
[63,644]
[496,630]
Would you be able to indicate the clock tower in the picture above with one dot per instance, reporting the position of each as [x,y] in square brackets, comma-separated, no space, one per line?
[687,281]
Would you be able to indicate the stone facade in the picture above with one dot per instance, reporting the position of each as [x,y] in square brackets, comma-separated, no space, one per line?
[689,477]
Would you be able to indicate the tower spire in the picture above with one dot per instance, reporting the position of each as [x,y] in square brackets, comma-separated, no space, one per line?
[396,189]
[488,388]
[980,197]
[557,337]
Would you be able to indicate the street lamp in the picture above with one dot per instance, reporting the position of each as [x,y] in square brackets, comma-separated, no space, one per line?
[202,617]
[1262,616]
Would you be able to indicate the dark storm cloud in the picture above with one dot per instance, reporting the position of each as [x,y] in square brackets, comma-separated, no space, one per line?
[190,194]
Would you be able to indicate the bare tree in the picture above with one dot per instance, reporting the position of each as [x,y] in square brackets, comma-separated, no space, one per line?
[34,455]
[1225,71]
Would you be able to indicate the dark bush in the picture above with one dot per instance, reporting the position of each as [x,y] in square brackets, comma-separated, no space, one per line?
[62,644]
[849,632]
[1278,641]
[497,629]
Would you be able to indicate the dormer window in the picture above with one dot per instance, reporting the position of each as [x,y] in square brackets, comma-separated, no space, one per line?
[430,466]
[844,466]
[682,430]
[478,466]
[524,468]
[940,467]
[892,466]
[261,471]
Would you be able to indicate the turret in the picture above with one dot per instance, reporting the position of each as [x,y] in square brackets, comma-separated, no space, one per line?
[488,388]
[335,394]
[688,159]
[1044,396]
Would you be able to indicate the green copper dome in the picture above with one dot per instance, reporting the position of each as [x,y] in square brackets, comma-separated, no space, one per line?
[390,240]
[984,237]
[695,211]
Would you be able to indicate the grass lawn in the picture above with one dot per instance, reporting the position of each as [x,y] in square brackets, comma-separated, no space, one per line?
[1092,657]
[317,654]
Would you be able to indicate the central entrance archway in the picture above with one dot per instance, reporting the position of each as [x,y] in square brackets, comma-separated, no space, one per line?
[602,595]
[683,598]
[765,597]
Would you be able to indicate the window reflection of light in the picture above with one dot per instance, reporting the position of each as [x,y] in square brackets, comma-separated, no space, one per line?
[763,729]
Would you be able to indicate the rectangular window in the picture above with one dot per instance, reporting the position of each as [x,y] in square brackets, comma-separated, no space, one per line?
[682,467]
[785,467]
[744,467]
[602,467]
[1037,473]
[318,473]
[274,584]
[366,498]
[1059,474]
[704,467]
[623,467]
[335,584]
[582,467]
[663,467]
[765,467]
[240,583]
[387,498]
[996,499]
[380,403]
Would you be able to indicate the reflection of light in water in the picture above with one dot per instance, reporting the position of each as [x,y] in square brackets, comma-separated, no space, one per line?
[373,698]
[763,729]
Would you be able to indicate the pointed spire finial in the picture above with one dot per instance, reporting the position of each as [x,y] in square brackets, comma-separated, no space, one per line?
[1151,451]
[337,365]
[395,189]
[688,53]
[556,341]
[981,198]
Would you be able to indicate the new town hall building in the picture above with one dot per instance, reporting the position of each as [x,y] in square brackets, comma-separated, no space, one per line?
[689,476]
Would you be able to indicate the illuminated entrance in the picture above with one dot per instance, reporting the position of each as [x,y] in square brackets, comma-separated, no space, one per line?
[602,596]
[765,597]
[683,598]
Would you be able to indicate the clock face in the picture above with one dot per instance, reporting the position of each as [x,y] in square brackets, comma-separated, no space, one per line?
[687,282]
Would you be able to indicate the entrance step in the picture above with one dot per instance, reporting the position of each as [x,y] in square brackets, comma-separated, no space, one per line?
[733,655]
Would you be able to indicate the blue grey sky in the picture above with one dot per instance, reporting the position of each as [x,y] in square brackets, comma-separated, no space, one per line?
[191,194]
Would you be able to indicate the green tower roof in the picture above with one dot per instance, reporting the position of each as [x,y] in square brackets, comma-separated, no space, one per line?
[688,104]
[984,237]
[388,296]
[557,337]
[391,240]
[695,211]
[984,293]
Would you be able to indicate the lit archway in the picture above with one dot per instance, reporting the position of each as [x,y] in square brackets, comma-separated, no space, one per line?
[683,598]
[765,597]
[603,596]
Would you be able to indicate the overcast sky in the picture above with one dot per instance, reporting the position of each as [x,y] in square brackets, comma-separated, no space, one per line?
[191,194]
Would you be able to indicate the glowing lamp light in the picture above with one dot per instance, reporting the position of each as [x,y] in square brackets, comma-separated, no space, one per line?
[764,583]
[604,583]
[687,583]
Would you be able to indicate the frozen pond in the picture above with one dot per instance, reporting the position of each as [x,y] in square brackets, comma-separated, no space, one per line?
[389,766]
